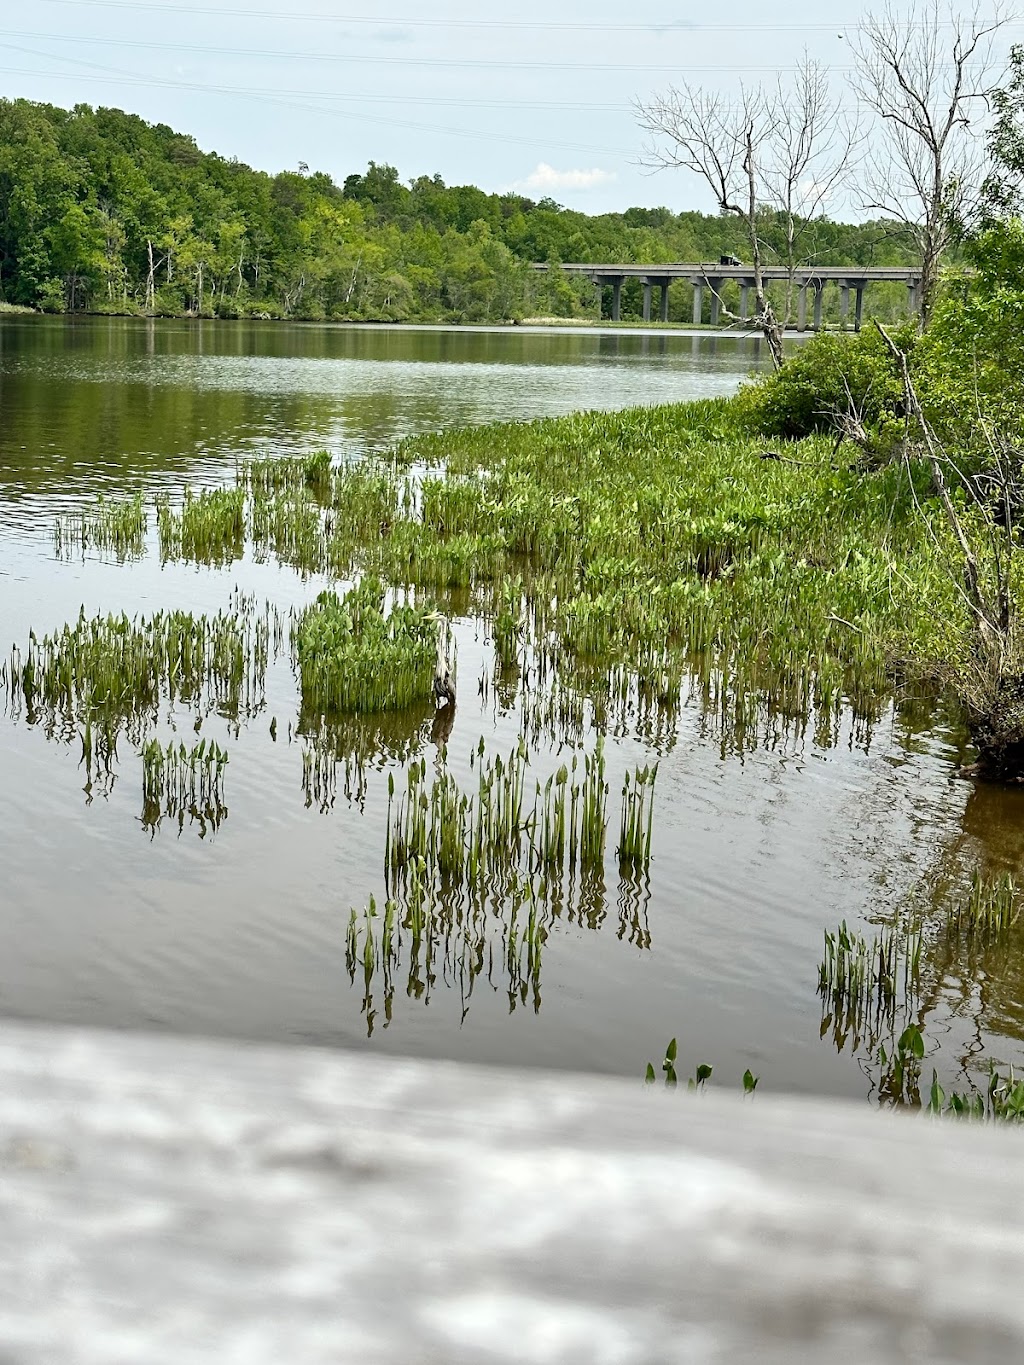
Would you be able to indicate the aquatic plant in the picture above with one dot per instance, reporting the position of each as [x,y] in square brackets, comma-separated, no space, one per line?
[209,528]
[178,782]
[637,820]
[118,526]
[354,657]
[866,984]
[108,669]
[991,908]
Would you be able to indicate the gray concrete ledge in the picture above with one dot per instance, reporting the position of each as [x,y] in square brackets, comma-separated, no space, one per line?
[167,1200]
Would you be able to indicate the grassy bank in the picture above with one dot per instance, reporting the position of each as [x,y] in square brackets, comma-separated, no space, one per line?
[661,542]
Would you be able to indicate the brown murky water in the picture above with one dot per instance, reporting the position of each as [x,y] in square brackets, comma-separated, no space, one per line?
[242,932]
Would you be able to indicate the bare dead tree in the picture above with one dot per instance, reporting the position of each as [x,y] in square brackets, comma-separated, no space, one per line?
[787,149]
[927,77]
[720,141]
[809,158]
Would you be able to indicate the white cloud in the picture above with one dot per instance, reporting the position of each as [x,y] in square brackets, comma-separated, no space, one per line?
[545,179]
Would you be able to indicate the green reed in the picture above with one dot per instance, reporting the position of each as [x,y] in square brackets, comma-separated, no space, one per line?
[116,667]
[353,657]
[637,820]
[491,836]
[118,526]
[991,908]
[209,528]
[864,984]
[179,782]
[312,473]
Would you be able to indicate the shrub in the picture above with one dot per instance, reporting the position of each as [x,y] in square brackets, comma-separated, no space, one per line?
[822,378]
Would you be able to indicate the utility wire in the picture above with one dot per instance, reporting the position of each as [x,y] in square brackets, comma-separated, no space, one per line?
[482,63]
[569,26]
[128,78]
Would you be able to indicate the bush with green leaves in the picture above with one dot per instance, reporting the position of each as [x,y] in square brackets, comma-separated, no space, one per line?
[830,375]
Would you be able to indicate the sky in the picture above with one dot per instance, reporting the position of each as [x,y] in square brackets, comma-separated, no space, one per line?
[541,101]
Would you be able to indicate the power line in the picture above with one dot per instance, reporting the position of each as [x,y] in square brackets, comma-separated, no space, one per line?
[671,26]
[269,96]
[484,63]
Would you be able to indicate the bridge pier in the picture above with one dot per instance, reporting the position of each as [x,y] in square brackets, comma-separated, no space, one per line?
[818,287]
[617,297]
[650,282]
[744,298]
[698,302]
[716,301]
[845,286]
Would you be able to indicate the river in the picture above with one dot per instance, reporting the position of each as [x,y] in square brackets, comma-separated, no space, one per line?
[242,933]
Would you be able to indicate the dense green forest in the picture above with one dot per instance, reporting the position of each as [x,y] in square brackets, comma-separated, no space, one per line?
[103,212]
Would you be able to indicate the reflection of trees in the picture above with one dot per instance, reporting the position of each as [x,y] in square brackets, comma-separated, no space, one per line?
[966,992]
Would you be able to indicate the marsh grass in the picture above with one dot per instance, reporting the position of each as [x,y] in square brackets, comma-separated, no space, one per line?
[117,526]
[637,820]
[868,985]
[353,657]
[180,783]
[990,910]
[108,671]
[209,528]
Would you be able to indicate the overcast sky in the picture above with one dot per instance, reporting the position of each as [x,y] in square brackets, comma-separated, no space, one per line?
[539,102]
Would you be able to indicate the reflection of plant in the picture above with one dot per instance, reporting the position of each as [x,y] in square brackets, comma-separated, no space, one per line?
[899,1081]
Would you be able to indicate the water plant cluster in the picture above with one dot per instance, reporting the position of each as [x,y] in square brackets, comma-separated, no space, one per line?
[475,879]
[181,783]
[209,528]
[102,677]
[354,656]
[876,993]
[116,525]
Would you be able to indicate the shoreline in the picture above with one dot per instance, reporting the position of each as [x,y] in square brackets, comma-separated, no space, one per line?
[556,327]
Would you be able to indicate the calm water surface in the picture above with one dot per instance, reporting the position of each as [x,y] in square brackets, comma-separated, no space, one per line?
[242,933]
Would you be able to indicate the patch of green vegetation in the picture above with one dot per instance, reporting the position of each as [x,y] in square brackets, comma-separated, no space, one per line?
[209,529]
[118,526]
[352,656]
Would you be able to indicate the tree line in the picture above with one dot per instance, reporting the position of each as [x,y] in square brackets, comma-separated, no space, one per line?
[101,211]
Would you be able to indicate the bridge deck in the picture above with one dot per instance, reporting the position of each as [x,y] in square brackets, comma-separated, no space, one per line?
[711,270]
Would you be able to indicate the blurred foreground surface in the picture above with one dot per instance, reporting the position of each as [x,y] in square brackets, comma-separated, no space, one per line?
[167,1199]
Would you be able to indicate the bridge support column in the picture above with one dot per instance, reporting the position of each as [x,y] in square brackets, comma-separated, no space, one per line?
[617,298]
[858,308]
[744,299]
[914,296]
[647,300]
[698,302]
[664,301]
[716,301]
[844,304]
[818,291]
[801,315]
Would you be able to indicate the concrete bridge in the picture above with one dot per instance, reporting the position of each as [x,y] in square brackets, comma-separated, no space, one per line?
[809,280]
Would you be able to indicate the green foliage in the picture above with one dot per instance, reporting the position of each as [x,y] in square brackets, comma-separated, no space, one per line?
[88,198]
[353,657]
[970,364]
[831,375]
